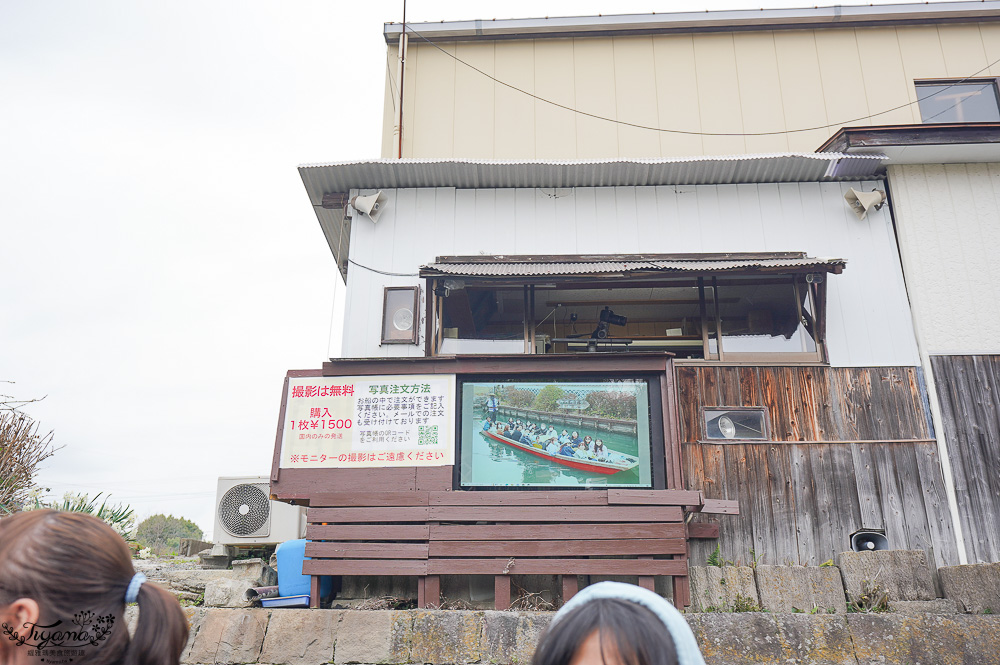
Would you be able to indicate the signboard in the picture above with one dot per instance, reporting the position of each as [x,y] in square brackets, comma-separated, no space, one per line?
[556,433]
[369,421]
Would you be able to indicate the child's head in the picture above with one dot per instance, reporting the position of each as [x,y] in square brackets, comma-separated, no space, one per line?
[72,570]
[611,623]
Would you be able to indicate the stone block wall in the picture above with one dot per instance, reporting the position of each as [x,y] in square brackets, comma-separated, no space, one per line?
[224,636]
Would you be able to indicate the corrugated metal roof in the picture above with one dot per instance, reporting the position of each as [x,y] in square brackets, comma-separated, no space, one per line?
[706,21]
[514,268]
[483,174]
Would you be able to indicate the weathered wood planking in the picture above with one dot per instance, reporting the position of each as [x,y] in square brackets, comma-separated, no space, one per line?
[810,403]
[968,389]
[799,503]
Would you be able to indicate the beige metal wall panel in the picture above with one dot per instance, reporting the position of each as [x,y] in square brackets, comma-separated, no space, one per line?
[475,106]
[635,96]
[760,91]
[744,82]
[594,82]
[946,219]
[429,88]
[990,33]
[555,128]
[869,319]
[841,77]
[718,94]
[886,85]
[963,48]
[801,89]
[514,116]
[676,85]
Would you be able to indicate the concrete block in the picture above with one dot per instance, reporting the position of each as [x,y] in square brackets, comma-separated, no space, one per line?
[510,637]
[975,587]
[895,639]
[255,571]
[902,574]
[226,592]
[936,606]
[380,636]
[815,639]
[190,584]
[721,588]
[447,637]
[229,637]
[787,588]
[746,637]
[300,637]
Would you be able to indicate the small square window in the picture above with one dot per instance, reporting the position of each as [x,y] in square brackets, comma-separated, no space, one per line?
[400,314]
[736,423]
[974,100]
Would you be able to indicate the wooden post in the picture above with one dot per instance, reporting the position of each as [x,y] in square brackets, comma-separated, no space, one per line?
[682,591]
[314,591]
[501,590]
[569,587]
[432,591]
[646,581]
[421,592]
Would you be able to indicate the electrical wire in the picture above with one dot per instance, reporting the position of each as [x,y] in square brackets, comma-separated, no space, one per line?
[681,131]
[383,272]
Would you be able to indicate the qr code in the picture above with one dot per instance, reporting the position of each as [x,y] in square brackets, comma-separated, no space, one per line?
[427,435]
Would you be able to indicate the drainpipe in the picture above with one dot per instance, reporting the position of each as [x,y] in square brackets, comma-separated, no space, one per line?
[400,71]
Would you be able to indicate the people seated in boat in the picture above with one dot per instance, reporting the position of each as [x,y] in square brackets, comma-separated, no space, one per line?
[564,437]
[552,447]
[514,434]
[487,425]
[575,438]
[567,449]
[581,451]
[601,453]
[589,442]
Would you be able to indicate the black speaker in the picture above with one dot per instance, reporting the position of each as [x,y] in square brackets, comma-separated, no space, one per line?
[869,541]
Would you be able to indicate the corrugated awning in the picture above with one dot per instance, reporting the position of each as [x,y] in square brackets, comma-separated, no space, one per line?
[531,266]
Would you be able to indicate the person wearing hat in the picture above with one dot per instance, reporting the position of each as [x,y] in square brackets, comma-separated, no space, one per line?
[611,623]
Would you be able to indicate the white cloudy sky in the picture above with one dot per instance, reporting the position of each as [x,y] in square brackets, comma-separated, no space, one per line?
[160,262]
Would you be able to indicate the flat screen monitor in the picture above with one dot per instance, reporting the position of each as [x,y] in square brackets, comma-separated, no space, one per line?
[559,433]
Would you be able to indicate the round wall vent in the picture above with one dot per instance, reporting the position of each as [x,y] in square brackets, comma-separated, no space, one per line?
[244,509]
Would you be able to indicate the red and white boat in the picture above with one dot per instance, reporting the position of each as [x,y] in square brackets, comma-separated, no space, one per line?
[606,468]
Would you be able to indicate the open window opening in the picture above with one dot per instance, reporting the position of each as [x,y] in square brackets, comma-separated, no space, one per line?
[721,317]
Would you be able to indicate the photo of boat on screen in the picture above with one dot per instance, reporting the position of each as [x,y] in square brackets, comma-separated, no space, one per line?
[556,433]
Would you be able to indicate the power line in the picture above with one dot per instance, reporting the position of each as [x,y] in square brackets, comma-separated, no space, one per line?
[681,131]
[383,272]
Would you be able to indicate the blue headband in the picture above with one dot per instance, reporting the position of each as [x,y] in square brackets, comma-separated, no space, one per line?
[688,652]
[132,593]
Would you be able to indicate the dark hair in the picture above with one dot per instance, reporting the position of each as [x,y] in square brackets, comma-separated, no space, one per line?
[626,629]
[71,563]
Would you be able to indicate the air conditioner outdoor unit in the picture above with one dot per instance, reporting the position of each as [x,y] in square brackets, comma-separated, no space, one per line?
[245,515]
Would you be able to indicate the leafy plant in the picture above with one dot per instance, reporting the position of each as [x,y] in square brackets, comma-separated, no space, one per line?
[119,517]
[715,558]
[873,598]
[22,450]
[745,604]
[827,564]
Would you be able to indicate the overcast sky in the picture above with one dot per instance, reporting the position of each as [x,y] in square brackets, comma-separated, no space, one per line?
[161,265]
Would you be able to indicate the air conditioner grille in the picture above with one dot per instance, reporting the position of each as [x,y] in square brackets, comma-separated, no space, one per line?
[244,509]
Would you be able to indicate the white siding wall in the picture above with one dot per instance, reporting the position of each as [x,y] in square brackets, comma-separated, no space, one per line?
[869,320]
[948,216]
